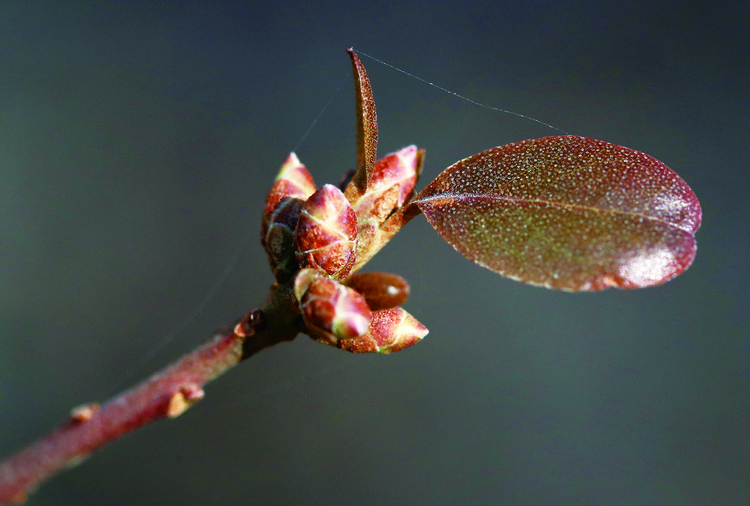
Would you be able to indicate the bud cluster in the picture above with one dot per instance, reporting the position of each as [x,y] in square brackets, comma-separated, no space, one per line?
[316,238]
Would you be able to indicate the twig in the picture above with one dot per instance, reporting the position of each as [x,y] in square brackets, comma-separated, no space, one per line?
[167,394]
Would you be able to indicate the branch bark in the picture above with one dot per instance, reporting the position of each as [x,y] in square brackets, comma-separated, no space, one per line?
[167,394]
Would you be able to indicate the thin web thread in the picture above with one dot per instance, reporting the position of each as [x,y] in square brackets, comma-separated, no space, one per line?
[315,121]
[505,111]
[179,328]
[285,386]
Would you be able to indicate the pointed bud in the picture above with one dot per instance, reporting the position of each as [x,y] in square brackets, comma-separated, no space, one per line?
[326,233]
[331,311]
[390,330]
[396,170]
[284,202]
[381,290]
[392,185]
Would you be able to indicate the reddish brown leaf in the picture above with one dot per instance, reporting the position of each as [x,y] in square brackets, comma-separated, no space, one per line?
[367,130]
[567,212]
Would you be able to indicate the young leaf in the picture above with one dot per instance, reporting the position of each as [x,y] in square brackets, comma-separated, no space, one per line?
[567,212]
[367,130]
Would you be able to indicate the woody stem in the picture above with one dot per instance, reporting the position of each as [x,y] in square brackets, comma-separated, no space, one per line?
[167,394]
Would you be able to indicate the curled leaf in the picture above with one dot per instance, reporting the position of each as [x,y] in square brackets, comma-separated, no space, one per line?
[367,129]
[568,213]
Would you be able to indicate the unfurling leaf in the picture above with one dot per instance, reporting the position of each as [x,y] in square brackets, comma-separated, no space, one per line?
[568,213]
[367,130]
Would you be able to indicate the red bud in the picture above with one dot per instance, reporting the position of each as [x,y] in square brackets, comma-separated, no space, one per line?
[390,330]
[380,289]
[395,170]
[284,202]
[392,185]
[331,311]
[303,280]
[326,233]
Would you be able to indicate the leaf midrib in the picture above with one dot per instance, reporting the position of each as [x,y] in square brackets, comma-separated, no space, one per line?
[551,203]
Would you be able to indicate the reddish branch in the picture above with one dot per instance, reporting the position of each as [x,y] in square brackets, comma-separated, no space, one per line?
[166,394]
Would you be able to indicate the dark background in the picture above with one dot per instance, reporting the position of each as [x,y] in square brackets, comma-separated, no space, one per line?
[138,140]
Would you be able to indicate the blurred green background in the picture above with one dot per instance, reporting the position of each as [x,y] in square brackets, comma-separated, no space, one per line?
[138,140]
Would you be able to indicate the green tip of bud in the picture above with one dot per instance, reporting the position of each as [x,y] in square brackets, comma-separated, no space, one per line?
[297,174]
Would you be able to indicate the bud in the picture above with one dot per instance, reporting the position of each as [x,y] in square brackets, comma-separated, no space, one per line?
[396,170]
[390,330]
[326,233]
[303,280]
[331,311]
[391,186]
[292,187]
[380,289]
